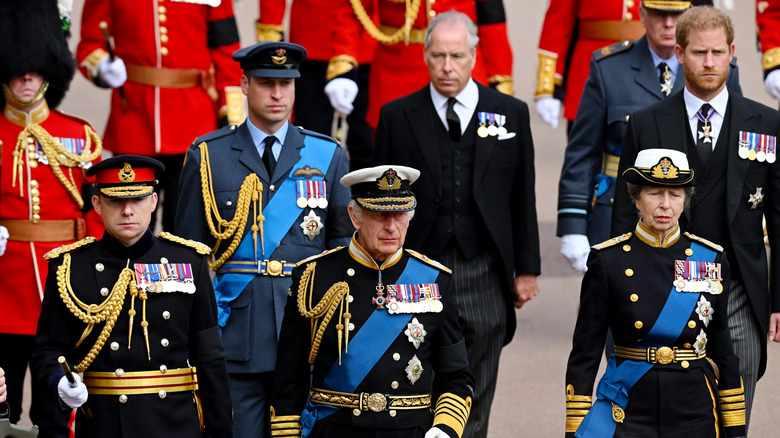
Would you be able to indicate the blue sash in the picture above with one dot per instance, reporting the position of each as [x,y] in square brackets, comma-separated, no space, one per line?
[618,380]
[366,347]
[280,213]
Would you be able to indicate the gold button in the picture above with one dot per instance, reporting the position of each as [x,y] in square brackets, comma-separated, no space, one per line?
[350,272]
[163,369]
[104,291]
[229,203]
[626,43]
[431,14]
[634,298]
[164,38]
[356,412]
[396,357]
[351,327]
[36,200]
[692,324]
[689,252]
[31,149]
[36,209]
[166,315]
[686,345]
[34,184]
[392,411]
[638,324]
[163,29]
[36,218]
[351,298]
[123,399]
[35,192]
[33,164]
[684,364]
[629,16]
[629,272]
[394,385]
[99,267]
[164,51]
[630,3]
[162,9]
[163,18]
[626,248]
[628,117]
[115,346]
[30,140]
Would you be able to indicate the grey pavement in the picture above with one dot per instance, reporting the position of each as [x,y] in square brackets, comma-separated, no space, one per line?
[530,397]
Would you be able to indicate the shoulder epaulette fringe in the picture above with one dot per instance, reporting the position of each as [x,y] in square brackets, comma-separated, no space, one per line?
[317,256]
[705,242]
[56,252]
[201,248]
[611,242]
[429,261]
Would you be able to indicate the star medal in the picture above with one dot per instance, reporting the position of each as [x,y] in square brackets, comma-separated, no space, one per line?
[482,131]
[379,300]
[414,369]
[416,332]
[756,198]
[492,128]
[311,225]
[667,86]
[701,343]
[501,119]
[706,134]
[704,310]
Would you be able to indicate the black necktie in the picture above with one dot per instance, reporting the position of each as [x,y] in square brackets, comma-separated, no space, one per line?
[704,134]
[453,121]
[665,78]
[268,155]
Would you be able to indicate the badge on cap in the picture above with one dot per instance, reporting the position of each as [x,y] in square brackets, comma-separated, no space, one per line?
[665,170]
[389,181]
[279,59]
[126,174]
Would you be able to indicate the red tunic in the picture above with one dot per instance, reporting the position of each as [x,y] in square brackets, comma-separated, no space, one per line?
[768,23]
[162,34]
[22,267]
[399,69]
[559,40]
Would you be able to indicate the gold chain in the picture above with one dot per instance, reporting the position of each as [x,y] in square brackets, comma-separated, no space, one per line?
[251,191]
[323,312]
[107,311]
[57,156]
[402,34]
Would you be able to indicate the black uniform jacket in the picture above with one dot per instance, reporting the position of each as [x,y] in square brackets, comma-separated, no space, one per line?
[442,352]
[627,284]
[182,332]
[664,125]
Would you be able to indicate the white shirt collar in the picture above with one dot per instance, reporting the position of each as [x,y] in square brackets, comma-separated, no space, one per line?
[258,136]
[693,103]
[468,97]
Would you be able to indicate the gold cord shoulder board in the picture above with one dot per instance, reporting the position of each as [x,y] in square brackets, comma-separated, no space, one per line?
[56,252]
[429,261]
[317,256]
[611,242]
[201,248]
[705,242]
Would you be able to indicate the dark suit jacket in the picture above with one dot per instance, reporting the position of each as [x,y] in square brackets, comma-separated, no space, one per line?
[503,173]
[664,125]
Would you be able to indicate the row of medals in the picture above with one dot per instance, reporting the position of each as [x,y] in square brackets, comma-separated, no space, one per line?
[491,130]
[746,152]
[322,203]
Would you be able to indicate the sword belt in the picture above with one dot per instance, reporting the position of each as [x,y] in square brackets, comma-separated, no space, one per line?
[141,382]
[272,268]
[375,402]
[662,355]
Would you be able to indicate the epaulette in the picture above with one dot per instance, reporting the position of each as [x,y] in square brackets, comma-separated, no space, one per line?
[429,261]
[72,117]
[201,248]
[610,50]
[320,255]
[611,242]
[56,252]
[318,135]
[705,242]
[222,132]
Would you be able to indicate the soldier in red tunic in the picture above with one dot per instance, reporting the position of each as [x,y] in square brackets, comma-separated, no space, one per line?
[768,23]
[45,154]
[172,62]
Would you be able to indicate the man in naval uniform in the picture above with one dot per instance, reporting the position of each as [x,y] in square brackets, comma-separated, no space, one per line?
[136,314]
[623,78]
[379,327]
[263,196]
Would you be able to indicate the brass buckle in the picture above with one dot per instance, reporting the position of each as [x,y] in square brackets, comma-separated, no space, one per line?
[274,268]
[376,402]
[664,355]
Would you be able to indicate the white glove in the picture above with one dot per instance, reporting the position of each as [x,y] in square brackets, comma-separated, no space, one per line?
[435,432]
[342,92]
[72,396]
[772,84]
[549,109]
[3,239]
[114,74]
[3,388]
[575,247]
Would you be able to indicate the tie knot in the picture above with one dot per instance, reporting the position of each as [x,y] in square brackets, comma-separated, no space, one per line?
[451,103]
[663,67]
[705,109]
[269,141]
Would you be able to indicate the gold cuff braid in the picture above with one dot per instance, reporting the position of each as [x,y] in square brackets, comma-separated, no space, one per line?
[287,426]
[452,411]
[504,83]
[732,406]
[269,32]
[545,80]
[338,65]
[577,407]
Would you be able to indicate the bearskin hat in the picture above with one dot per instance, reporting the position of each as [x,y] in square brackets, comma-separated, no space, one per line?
[32,40]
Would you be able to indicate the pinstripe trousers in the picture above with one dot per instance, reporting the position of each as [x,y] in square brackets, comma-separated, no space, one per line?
[476,290]
[746,338]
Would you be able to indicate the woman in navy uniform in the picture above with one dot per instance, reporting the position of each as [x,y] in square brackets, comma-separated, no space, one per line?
[137,315]
[375,322]
[663,293]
